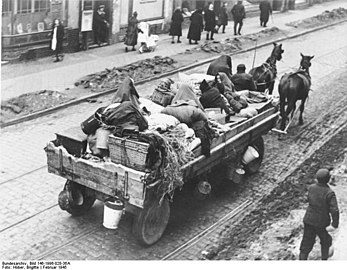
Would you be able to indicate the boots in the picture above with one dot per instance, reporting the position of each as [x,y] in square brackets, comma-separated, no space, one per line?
[207,37]
[212,35]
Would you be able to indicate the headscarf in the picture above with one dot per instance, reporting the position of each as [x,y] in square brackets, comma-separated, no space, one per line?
[228,85]
[186,93]
[127,92]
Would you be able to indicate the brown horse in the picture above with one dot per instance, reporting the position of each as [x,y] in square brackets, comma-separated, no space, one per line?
[265,75]
[295,86]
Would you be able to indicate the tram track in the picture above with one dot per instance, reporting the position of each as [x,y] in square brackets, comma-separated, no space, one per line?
[162,75]
[243,207]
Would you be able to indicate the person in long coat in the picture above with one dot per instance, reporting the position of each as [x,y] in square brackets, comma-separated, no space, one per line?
[239,14]
[265,11]
[196,26]
[132,32]
[210,22]
[176,25]
[57,37]
[101,25]
[223,17]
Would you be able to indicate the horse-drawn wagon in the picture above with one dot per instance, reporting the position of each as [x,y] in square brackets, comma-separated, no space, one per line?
[88,180]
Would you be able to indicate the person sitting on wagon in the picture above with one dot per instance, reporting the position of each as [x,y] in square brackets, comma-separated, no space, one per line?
[243,80]
[212,98]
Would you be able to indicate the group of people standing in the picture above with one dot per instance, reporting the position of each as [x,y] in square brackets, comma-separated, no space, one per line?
[200,20]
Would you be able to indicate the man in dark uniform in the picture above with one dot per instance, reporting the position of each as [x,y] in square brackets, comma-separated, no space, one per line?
[265,11]
[239,14]
[321,204]
[242,80]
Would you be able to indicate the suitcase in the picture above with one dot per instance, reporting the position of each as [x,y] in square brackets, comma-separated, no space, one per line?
[73,140]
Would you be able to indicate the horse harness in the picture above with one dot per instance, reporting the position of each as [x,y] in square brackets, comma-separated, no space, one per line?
[269,65]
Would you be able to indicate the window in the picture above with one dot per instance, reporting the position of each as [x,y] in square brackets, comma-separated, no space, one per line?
[24,6]
[6,7]
[42,5]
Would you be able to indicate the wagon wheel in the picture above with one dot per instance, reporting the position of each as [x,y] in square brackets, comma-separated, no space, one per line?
[75,198]
[254,165]
[150,224]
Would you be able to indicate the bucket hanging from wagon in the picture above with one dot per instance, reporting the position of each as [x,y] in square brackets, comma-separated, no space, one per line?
[113,210]
[250,155]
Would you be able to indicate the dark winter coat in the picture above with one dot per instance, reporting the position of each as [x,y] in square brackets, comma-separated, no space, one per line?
[322,203]
[176,23]
[211,97]
[243,81]
[210,20]
[196,25]
[60,38]
[265,10]
[132,32]
[223,16]
[125,116]
[238,12]
[100,26]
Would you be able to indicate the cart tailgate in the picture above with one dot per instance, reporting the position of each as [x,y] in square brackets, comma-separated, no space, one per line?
[106,177]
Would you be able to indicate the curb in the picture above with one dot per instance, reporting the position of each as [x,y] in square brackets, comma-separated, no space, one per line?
[196,64]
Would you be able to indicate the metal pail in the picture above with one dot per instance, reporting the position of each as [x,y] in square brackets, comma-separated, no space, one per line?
[250,155]
[113,211]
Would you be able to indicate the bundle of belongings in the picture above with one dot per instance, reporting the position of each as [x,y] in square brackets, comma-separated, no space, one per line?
[181,116]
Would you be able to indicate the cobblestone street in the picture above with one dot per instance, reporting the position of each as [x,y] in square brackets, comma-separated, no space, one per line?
[32,225]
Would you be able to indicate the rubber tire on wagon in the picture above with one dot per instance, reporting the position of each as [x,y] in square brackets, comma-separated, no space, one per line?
[254,165]
[150,224]
[75,198]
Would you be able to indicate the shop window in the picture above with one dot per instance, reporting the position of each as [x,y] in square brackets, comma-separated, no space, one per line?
[6,7]
[24,6]
[42,5]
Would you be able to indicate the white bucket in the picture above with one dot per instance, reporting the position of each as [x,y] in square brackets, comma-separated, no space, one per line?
[250,155]
[113,211]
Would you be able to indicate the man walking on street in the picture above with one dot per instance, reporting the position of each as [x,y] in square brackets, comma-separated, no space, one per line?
[322,203]
[265,11]
[239,14]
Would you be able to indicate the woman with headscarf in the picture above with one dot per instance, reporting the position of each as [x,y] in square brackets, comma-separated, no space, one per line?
[210,21]
[132,32]
[57,37]
[176,25]
[196,26]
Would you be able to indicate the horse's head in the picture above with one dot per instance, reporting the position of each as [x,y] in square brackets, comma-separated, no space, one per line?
[305,62]
[277,51]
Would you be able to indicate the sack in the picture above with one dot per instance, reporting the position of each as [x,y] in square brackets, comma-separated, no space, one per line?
[92,123]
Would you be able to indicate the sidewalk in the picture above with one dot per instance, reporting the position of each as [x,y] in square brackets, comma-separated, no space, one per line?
[17,79]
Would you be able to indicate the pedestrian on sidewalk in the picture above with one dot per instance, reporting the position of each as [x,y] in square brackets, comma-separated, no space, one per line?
[57,36]
[210,21]
[265,11]
[224,16]
[239,14]
[176,25]
[243,80]
[321,204]
[132,32]
[101,26]
[196,26]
